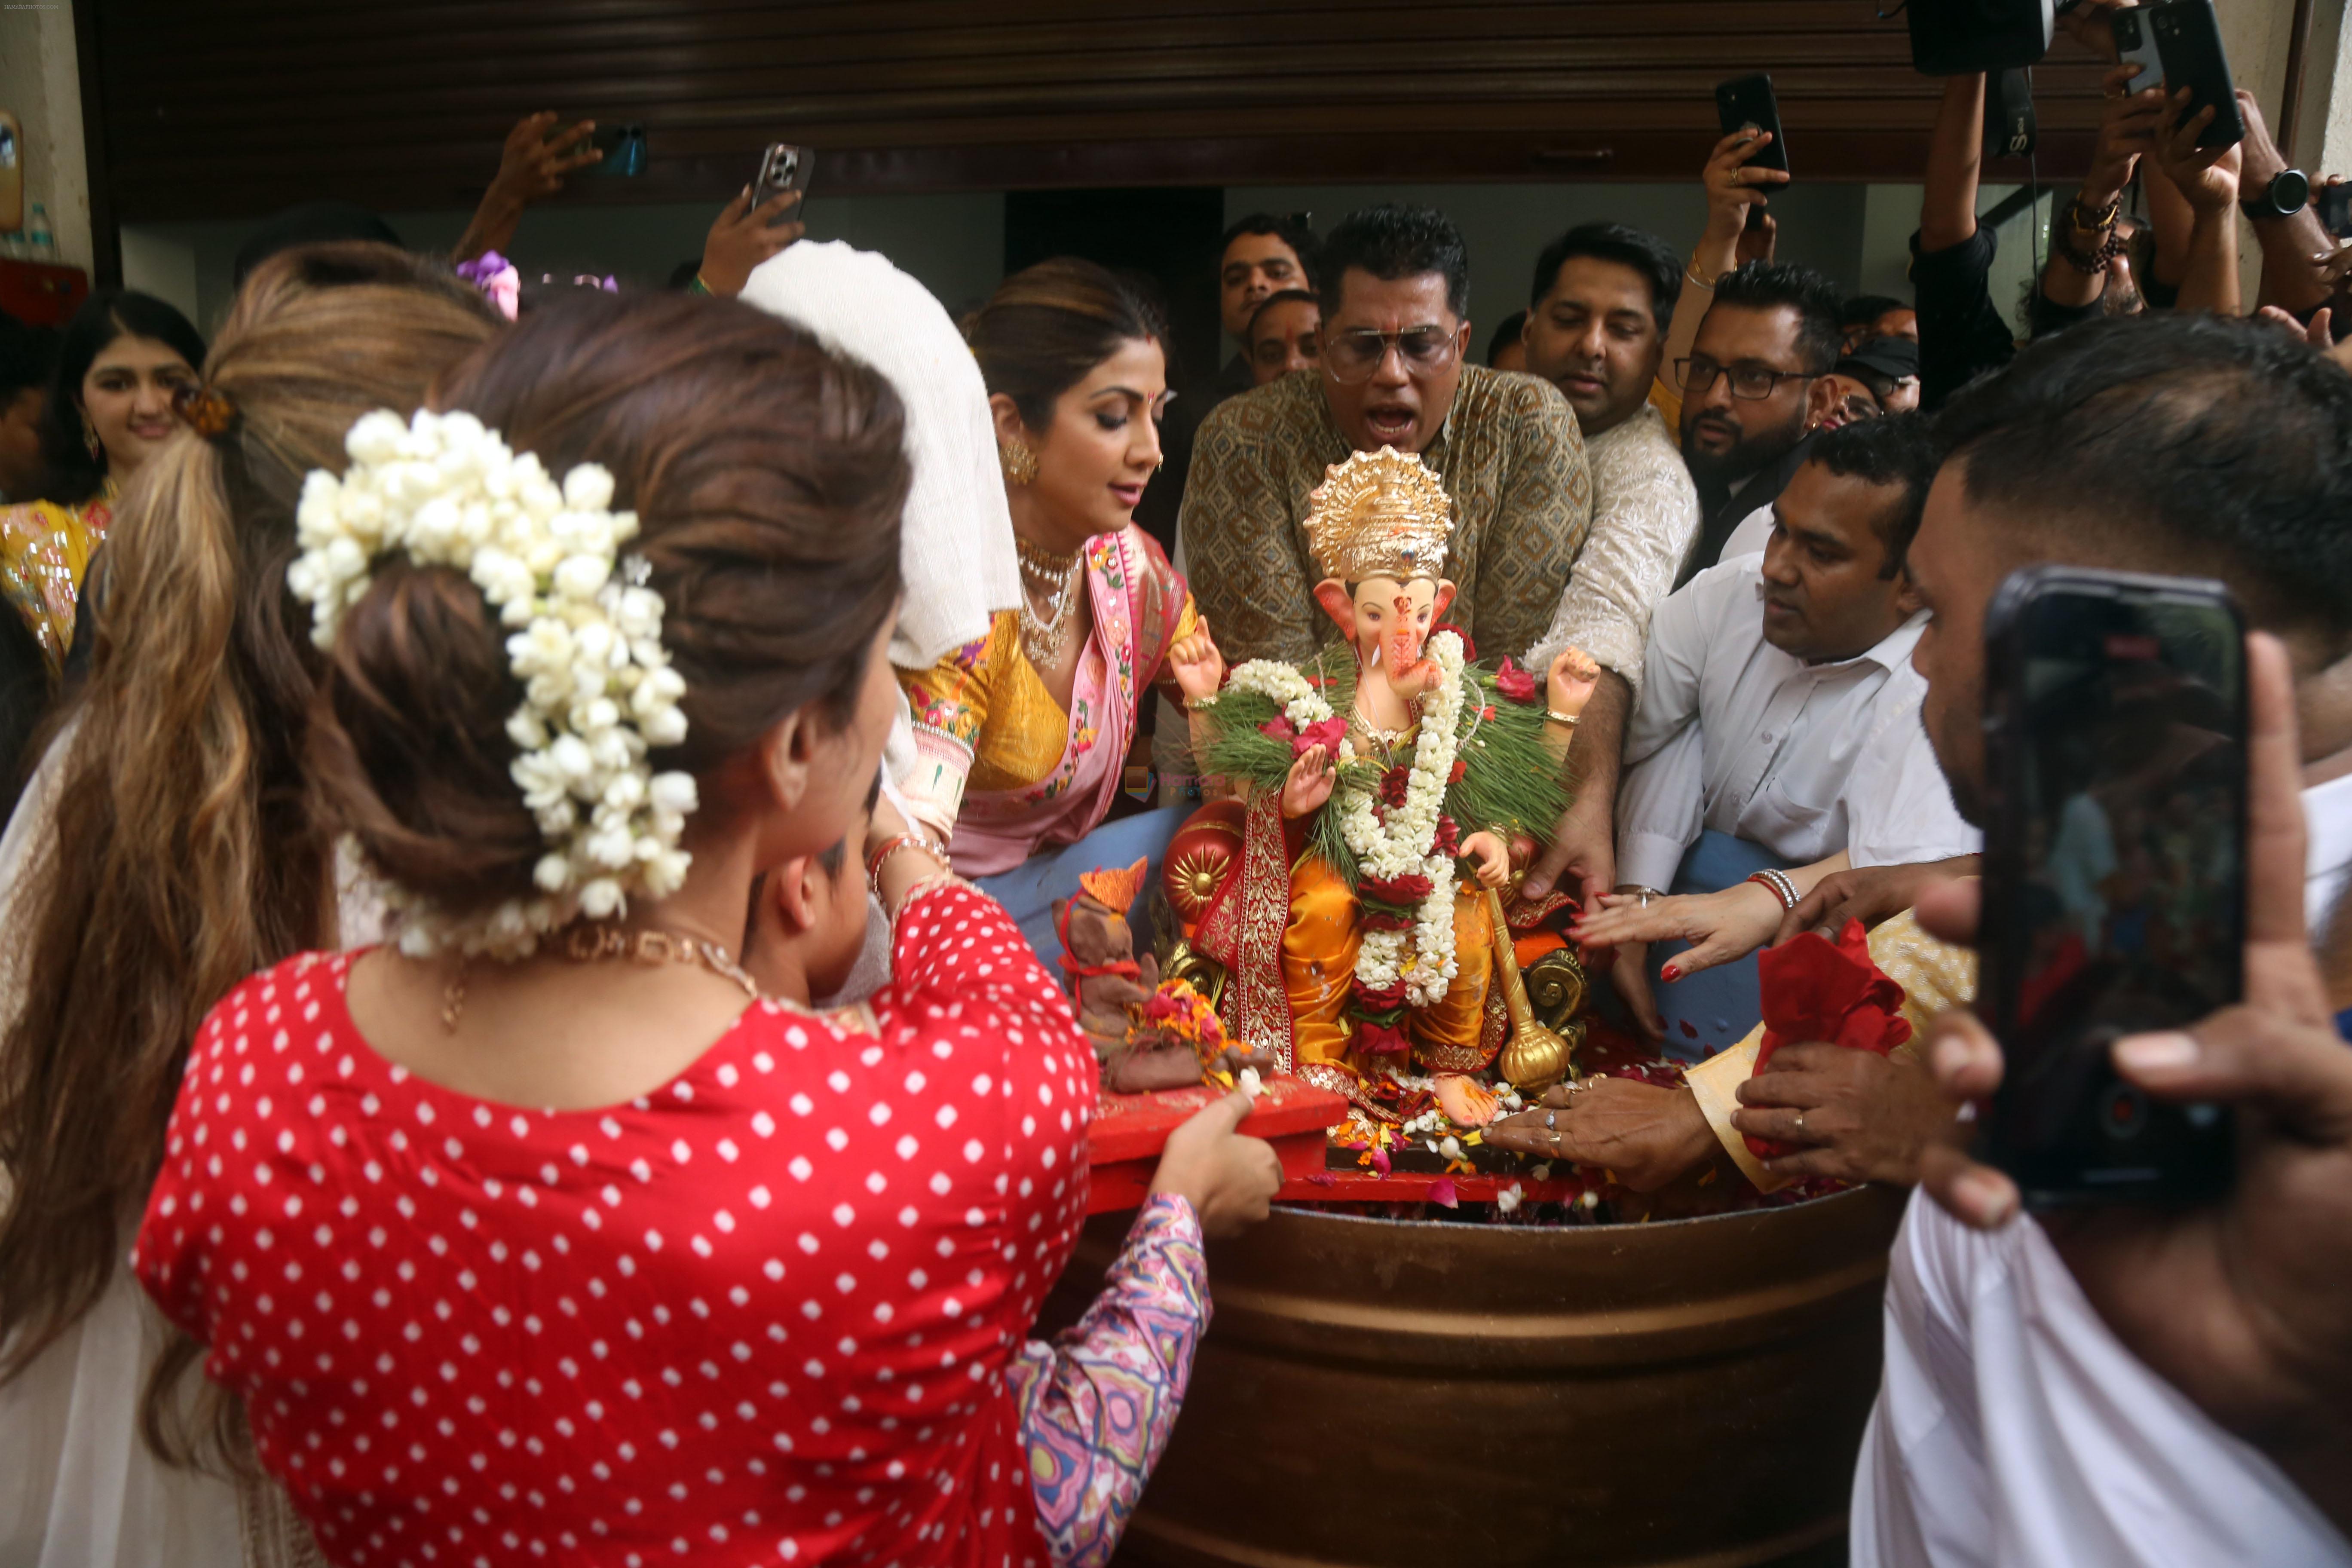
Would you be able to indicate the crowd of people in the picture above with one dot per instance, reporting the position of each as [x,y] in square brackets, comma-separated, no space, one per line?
[523,1033]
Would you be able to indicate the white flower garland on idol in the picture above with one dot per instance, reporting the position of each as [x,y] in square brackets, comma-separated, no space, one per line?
[599,691]
[1401,846]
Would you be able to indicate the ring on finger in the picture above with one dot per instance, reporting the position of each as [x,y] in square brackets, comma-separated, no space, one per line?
[1801,1121]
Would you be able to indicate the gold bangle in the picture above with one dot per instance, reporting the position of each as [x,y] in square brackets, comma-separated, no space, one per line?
[1557,718]
[1691,272]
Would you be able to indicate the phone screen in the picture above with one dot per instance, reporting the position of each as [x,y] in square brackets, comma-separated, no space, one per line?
[2116,876]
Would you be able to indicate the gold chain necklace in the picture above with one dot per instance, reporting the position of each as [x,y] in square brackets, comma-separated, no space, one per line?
[1056,577]
[593,943]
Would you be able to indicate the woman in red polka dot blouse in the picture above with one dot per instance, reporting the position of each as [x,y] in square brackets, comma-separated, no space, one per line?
[572,1255]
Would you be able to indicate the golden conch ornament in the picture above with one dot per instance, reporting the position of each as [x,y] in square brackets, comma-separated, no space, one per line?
[1380,514]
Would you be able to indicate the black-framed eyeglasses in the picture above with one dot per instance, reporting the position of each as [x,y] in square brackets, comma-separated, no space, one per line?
[1753,383]
[1352,356]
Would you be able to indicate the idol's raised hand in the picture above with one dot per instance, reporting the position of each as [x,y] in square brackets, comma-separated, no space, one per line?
[1198,666]
[1494,859]
[1312,778]
[1570,683]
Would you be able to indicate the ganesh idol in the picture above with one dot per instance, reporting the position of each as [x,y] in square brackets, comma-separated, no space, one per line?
[1383,788]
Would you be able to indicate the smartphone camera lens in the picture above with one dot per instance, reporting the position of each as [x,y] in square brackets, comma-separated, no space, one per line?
[2125,1111]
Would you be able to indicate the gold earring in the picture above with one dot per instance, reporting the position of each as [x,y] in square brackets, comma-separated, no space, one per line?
[90,440]
[1019,463]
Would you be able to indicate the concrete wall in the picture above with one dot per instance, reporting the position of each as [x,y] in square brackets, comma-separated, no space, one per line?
[40,86]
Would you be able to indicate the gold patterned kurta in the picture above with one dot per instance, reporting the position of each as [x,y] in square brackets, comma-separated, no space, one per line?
[1510,456]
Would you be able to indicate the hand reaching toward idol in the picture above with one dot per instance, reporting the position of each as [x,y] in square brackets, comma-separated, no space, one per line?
[1646,1136]
[1228,1177]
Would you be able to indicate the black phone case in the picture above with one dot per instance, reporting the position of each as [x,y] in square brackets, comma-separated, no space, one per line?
[2333,205]
[2188,41]
[1749,100]
[2049,1181]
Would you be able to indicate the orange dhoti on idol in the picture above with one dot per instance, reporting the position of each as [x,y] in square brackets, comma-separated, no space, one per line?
[1318,973]
[1384,781]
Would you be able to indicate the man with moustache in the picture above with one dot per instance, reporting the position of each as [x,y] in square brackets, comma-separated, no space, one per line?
[1263,256]
[1394,288]
[1596,328]
[1778,707]
[1260,256]
[1770,332]
[1394,284]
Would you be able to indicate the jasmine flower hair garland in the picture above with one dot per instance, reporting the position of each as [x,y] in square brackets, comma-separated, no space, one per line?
[599,691]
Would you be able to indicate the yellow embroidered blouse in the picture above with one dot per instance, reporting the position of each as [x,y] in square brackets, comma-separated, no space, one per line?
[988,699]
[44,550]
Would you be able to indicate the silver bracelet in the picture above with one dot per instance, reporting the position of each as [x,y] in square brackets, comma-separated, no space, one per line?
[1777,883]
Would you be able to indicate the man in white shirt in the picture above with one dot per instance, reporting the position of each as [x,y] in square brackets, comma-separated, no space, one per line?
[2143,1386]
[1779,705]
[1596,328]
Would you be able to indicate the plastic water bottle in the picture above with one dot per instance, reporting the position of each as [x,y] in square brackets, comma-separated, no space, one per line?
[40,245]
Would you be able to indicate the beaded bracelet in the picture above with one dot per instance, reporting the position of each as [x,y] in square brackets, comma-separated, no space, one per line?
[1778,884]
[892,846]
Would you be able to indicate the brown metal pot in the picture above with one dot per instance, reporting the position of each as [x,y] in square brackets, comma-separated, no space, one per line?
[1377,1391]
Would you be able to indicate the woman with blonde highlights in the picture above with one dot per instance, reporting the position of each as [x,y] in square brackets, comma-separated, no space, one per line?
[163,852]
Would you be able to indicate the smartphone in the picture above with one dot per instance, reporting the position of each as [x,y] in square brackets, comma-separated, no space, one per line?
[2114,731]
[1747,100]
[2333,205]
[783,167]
[2136,45]
[2188,41]
[624,147]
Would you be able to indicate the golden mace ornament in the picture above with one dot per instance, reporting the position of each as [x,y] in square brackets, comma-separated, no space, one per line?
[1534,1059]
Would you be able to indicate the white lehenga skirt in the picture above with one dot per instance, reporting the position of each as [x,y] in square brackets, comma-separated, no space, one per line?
[80,1488]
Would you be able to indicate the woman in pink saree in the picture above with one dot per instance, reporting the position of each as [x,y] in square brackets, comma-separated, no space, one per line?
[1022,736]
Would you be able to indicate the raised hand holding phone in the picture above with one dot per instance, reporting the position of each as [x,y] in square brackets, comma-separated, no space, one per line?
[1736,186]
[2244,1301]
[743,236]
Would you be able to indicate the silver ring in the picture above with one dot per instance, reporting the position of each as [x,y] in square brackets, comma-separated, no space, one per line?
[1552,1119]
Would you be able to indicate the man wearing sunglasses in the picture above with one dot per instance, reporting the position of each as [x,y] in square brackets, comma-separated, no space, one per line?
[1770,333]
[1394,283]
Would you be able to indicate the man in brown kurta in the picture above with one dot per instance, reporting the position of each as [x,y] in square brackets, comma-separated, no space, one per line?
[1509,455]
[1505,445]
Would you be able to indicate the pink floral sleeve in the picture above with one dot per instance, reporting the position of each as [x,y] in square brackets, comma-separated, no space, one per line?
[1098,1404]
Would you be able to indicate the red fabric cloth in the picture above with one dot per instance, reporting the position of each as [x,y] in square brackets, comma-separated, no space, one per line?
[1818,990]
[761,1314]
